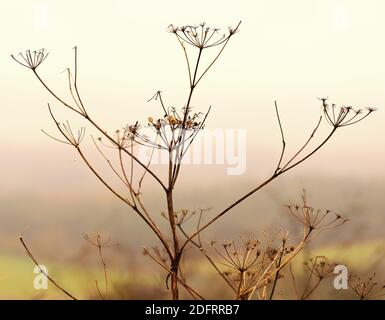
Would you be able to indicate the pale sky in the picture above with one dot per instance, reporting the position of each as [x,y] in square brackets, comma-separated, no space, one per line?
[289,51]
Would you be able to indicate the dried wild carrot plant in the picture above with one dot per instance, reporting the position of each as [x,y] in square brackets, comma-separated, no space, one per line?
[173,132]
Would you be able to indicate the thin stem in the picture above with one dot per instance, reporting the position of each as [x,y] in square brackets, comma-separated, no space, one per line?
[109,163]
[42,271]
[273,177]
[293,280]
[304,146]
[55,96]
[241,283]
[211,261]
[311,153]
[182,132]
[75,80]
[308,294]
[282,136]
[212,63]
[230,207]
[128,183]
[99,129]
[187,287]
[104,266]
[187,59]
[148,164]
[277,274]
[157,232]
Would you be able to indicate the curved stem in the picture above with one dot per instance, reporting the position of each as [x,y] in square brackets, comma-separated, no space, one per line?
[85,115]
[42,271]
[273,177]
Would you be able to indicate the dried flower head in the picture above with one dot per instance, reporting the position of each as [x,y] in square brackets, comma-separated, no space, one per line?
[345,115]
[31,59]
[239,259]
[320,267]
[202,36]
[132,129]
[67,132]
[315,219]
[367,288]
[97,241]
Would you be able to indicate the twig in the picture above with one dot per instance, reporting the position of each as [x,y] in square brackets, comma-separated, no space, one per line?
[187,287]
[43,272]
[282,136]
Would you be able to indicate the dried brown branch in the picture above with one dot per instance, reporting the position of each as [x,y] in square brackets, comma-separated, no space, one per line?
[55,283]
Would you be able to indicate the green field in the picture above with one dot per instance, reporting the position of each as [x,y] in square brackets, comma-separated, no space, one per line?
[16,273]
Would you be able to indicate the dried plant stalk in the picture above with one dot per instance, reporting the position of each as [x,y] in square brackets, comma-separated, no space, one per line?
[174,132]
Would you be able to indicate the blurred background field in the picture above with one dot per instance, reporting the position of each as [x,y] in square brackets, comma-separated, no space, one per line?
[16,276]
[54,226]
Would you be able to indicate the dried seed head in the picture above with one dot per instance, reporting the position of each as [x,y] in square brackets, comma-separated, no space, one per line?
[201,36]
[313,219]
[31,59]
[345,116]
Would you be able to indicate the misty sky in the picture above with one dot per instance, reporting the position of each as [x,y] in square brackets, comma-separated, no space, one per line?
[289,51]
